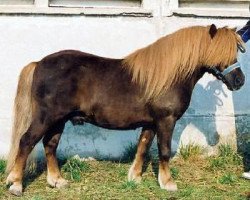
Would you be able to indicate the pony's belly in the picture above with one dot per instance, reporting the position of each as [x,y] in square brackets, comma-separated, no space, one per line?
[120,122]
[130,126]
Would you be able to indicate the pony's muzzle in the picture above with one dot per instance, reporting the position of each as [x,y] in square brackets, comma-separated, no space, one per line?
[235,79]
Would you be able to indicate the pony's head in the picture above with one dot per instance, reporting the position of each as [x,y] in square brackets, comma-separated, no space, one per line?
[174,58]
[229,71]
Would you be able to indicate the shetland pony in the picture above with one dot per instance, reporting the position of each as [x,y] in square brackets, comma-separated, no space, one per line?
[150,88]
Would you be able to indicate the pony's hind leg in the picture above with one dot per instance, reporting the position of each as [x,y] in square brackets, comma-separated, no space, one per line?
[27,143]
[50,142]
[145,141]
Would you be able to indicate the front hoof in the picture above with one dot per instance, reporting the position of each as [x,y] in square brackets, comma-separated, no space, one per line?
[170,186]
[133,176]
[62,183]
[16,190]
[58,183]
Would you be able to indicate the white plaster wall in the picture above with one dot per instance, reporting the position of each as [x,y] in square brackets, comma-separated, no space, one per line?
[27,38]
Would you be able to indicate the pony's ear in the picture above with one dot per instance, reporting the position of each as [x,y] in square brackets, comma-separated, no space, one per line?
[234,29]
[212,30]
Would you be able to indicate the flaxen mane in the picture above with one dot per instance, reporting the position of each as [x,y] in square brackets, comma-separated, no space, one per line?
[174,57]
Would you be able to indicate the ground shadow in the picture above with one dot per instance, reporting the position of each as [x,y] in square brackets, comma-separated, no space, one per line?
[33,171]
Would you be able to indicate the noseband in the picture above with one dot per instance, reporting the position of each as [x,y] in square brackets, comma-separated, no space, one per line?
[221,75]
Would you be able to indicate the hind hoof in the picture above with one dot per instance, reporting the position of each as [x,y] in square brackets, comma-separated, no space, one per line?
[16,190]
[10,179]
[133,177]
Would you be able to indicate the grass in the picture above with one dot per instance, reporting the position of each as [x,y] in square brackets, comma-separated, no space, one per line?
[74,168]
[196,178]
[227,156]
[190,150]
[228,178]
[2,166]
[129,185]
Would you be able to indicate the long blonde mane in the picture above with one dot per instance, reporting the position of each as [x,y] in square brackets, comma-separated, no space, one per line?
[176,56]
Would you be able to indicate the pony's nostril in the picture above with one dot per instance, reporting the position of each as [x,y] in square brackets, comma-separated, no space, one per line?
[237,81]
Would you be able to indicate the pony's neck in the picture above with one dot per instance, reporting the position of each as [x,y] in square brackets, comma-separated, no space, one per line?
[197,75]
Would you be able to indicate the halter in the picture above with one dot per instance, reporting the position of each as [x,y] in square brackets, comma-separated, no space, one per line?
[221,75]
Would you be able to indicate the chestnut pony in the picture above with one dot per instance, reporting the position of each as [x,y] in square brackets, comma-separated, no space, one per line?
[150,88]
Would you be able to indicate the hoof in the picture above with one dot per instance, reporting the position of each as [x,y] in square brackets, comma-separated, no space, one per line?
[59,183]
[62,183]
[169,186]
[132,176]
[10,179]
[16,190]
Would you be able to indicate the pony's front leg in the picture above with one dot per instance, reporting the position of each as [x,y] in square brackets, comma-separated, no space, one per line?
[50,142]
[145,141]
[165,129]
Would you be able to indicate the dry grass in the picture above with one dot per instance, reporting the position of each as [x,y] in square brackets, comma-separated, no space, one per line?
[196,177]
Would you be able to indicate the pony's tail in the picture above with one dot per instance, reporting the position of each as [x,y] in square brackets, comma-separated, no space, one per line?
[22,112]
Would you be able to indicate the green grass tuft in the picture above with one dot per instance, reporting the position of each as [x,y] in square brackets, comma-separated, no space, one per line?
[225,150]
[216,162]
[36,198]
[190,150]
[74,167]
[227,156]
[174,172]
[228,178]
[129,185]
[2,166]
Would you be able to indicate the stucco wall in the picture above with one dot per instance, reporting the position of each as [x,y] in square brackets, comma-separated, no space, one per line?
[25,38]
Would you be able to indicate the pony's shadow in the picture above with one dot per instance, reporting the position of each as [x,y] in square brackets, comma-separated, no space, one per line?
[201,112]
[33,171]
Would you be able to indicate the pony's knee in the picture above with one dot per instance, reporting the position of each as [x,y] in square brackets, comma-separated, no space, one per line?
[50,146]
[165,154]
